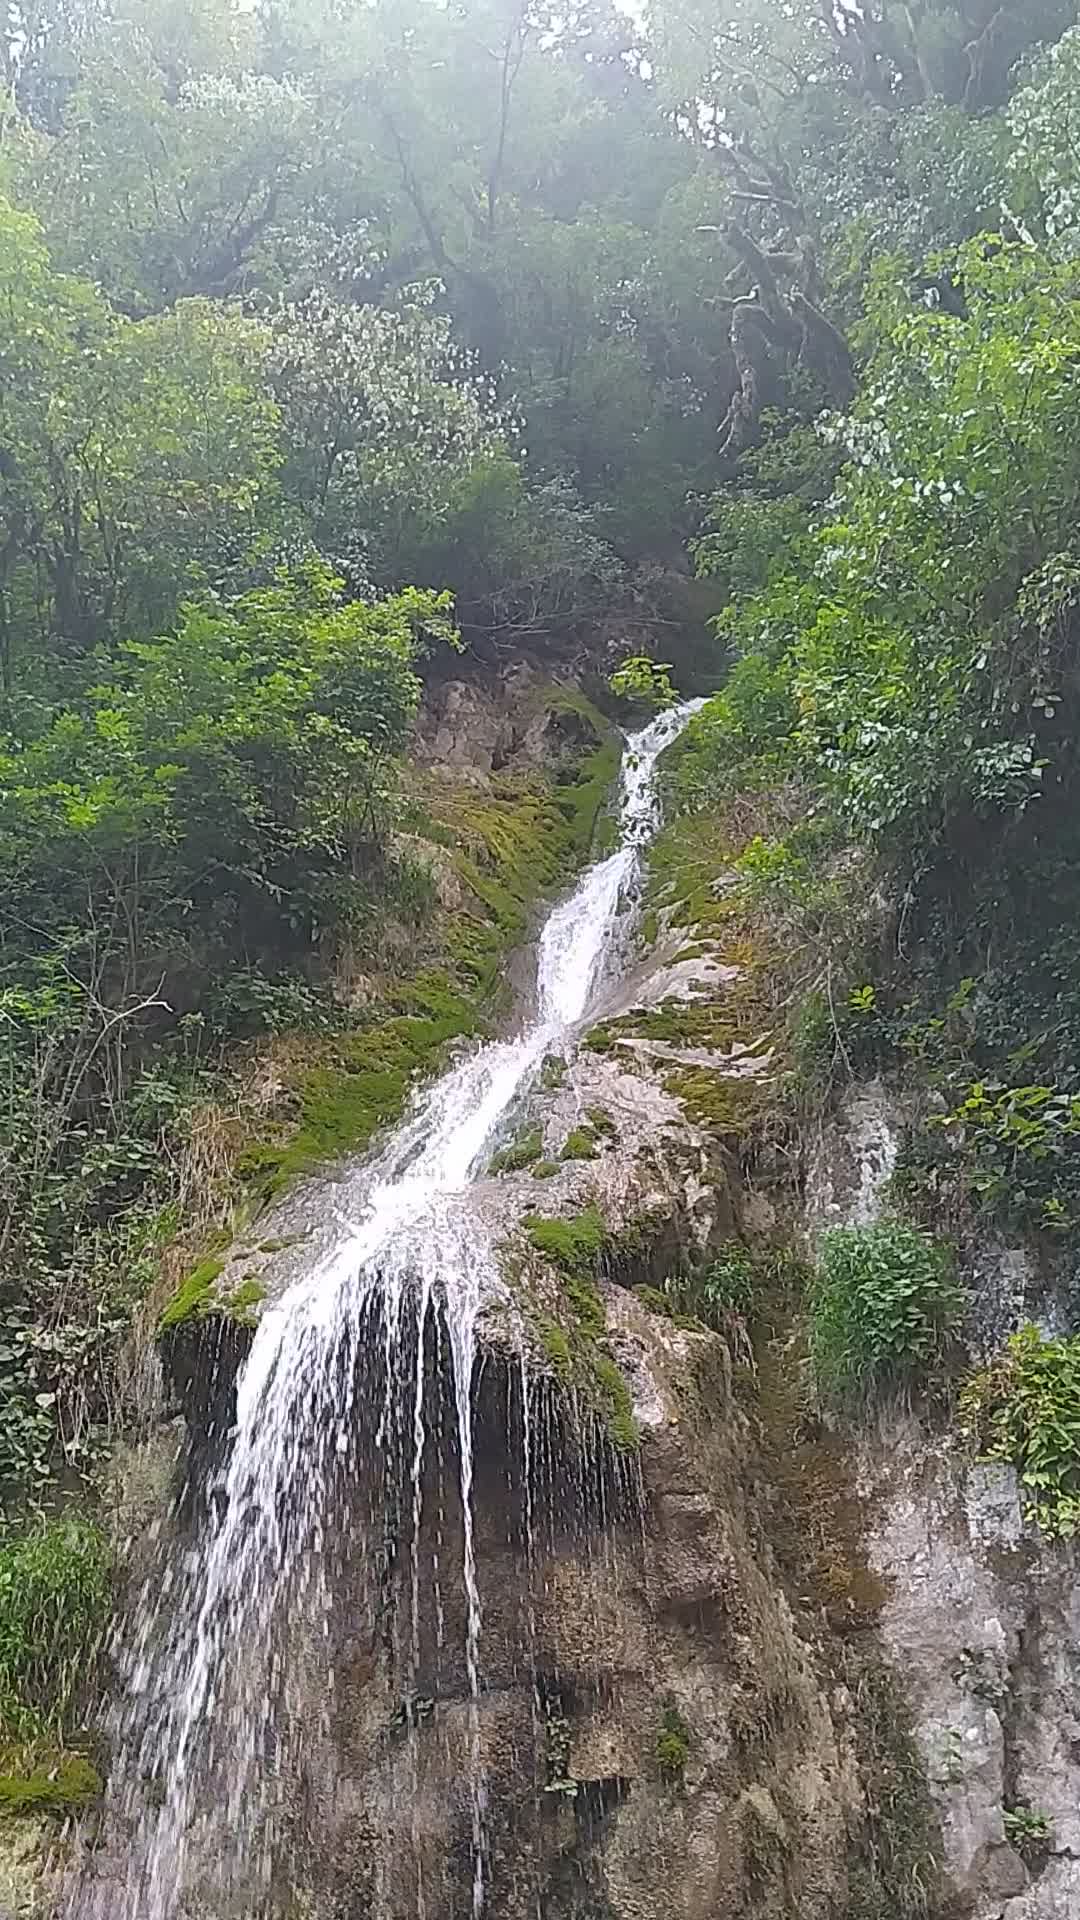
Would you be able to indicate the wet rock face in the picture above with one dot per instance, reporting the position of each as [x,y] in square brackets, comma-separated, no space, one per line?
[473,728]
[980,1618]
[985,1624]
[653,1733]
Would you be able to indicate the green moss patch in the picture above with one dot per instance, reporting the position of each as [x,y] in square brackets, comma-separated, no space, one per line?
[545,1169]
[574,1346]
[724,1104]
[686,861]
[361,1083]
[613,1396]
[579,1145]
[574,1245]
[194,1296]
[241,1304]
[524,835]
[58,1783]
[197,1297]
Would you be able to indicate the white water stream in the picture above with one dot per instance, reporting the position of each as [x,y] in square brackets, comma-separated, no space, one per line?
[204,1675]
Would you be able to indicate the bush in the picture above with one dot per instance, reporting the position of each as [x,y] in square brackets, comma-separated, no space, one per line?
[884,1309]
[1025,1408]
[55,1585]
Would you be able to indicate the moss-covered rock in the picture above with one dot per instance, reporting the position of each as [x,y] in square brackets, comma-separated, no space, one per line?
[521,1153]
[361,1082]
[194,1296]
[198,1296]
[580,1144]
[59,1782]
[574,1343]
[573,1245]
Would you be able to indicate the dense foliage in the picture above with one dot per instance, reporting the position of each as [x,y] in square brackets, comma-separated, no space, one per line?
[1025,1408]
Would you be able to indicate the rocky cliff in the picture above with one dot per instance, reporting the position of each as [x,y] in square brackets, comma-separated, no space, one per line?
[733,1659]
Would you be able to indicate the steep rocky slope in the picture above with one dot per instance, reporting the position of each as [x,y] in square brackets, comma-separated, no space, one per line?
[732,1661]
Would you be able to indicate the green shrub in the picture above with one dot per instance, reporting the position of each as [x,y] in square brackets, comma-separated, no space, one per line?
[1020,1145]
[55,1586]
[1025,1408]
[884,1309]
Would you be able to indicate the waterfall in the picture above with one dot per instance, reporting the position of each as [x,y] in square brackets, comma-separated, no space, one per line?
[204,1682]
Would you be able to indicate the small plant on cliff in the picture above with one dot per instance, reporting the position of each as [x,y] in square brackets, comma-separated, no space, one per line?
[1025,1408]
[1021,1153]
[727,1283]
[1027,1830]
[672,1747]
[558,1742]
[885,1307]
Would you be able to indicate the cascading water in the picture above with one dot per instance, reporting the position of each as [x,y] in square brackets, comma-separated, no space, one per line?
[204,1713]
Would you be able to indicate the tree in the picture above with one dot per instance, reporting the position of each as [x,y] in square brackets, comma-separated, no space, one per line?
[127,450]
[162,185]
[1043,164]
[385,414]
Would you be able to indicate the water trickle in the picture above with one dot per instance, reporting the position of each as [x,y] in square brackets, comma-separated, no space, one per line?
[205,1733]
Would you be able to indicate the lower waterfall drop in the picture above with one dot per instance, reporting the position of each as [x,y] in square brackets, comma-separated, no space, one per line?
[203,1724]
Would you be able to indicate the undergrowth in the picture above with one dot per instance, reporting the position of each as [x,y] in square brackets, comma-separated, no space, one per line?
[55,1592]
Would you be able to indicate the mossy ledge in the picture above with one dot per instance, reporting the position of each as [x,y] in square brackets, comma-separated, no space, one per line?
[196,1298]
[736,1015]
[573,1342]
[522,1152]
[59,1783]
